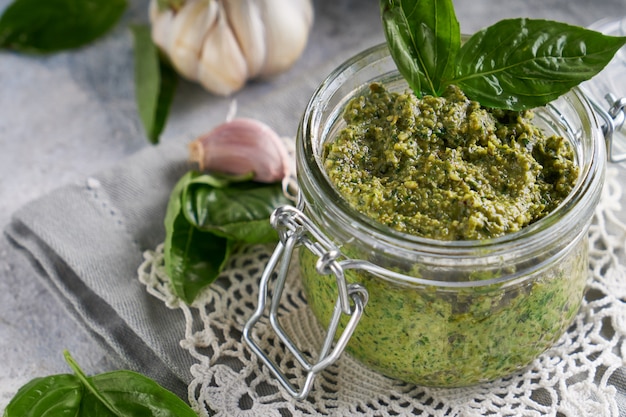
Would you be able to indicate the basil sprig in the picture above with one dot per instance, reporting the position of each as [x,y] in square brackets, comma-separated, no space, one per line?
[111,394]
[515,64]
[37,26]
[207,217]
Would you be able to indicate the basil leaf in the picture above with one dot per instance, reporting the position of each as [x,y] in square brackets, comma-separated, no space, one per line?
[127,394]
[112,394]
[53,396]
[207,216]
[37,26]
[239,212]
[193,259]
[518,64]
[423,38]
[155,83]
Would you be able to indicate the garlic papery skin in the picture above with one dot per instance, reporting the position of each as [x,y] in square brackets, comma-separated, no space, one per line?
[224,43]
[188,27]
[284,38]
[221,66]
[246,21]
[242,146]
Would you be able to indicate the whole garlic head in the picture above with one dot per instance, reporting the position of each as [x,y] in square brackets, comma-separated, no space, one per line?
[223,43]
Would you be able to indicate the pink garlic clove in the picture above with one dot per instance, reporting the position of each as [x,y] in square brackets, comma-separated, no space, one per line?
[242,146]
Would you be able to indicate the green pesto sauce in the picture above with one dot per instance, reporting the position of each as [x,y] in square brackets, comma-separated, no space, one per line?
[445,167]
[457,338]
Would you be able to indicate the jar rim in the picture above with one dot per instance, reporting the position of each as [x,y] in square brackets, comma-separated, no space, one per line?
[335,205]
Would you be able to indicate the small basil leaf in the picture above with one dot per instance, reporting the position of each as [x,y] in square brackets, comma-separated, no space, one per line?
[207,216]
[37,26]
[167,90]
[518,64]
[126,394]
[423,38]
[193,258]
[155,83]
[112,394]
[52,396]
[129,394]
[239,212]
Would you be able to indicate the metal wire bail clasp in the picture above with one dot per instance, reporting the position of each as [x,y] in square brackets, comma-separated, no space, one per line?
[614,121]
[294,230]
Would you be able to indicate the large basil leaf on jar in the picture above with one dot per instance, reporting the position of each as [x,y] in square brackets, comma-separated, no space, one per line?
[522,63]
[423,38]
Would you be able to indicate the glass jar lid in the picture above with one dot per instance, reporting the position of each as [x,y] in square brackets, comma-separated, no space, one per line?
[607,91]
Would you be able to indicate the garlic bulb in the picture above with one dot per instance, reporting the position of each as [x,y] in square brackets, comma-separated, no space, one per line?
[223,43]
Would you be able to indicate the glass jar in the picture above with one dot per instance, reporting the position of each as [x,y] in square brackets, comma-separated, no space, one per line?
[430,312]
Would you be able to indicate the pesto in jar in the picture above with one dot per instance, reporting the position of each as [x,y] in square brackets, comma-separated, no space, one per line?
[448,169]
[452,338]
[445,167]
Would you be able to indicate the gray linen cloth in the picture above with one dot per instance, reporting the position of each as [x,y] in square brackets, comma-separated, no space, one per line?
[86,240]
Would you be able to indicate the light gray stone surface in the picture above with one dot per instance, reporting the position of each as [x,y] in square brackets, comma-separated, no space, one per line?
[56,125]
[66,116]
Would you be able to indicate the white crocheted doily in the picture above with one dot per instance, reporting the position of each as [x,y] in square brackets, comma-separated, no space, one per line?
[577,377]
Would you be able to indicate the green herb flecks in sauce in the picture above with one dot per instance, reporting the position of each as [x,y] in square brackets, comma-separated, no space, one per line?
[454,338]
[445,167]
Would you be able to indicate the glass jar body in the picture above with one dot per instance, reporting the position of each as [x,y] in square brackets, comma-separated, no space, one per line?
[448,313]
[442,337]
